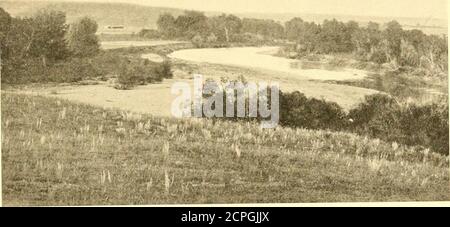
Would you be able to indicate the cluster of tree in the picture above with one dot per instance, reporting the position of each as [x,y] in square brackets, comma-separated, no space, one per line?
[265,28]
[223,28]
[372,43]
[389,43]
[45,36]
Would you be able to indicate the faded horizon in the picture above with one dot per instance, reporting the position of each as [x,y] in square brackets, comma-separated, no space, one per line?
[381,8]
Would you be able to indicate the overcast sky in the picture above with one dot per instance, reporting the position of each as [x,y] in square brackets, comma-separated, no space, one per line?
[397,8]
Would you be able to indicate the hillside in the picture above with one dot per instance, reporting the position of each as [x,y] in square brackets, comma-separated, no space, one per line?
[59,153]
[135,17]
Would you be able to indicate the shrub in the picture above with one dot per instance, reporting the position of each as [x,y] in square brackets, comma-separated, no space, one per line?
[379,57]
[381,116]
[108,62]
[32,71]
[198,41]
[150,34]
[163,71]
[296,110]
[73,71]
[374,106]
[142,72]
[426,126]
[129,76]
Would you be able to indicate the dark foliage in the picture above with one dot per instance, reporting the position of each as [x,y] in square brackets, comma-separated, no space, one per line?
[381,116]
[133,73]
[38,50]
[208,31]
[32,71]
[296,110]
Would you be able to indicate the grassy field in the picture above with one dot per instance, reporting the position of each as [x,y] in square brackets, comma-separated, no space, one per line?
[59,153]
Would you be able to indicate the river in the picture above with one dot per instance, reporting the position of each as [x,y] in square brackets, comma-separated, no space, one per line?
[261,58]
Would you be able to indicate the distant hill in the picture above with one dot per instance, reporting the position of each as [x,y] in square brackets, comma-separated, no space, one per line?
[132,17]
[135,17]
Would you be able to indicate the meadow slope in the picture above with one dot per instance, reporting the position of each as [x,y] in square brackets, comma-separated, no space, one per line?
[56,152]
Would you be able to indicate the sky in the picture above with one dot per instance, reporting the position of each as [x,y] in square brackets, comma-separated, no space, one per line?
[384,8]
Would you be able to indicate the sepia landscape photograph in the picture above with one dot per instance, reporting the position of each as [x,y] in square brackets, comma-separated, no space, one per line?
[162,102]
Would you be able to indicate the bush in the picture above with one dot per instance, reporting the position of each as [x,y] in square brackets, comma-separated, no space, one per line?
[198,41]
[296,110]
[108,62]
[375,107]
[379,57]
[381,116]
[426,126]
[142,72]
[130,75]
[32,71]
[163,71]
[73,71]
[150,34]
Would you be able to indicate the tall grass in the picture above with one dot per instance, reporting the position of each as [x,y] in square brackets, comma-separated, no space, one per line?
[59,153]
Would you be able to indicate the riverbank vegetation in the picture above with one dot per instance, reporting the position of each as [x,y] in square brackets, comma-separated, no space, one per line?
[408,64]
[396,58]
[216,31]
[43,49]
[380,44]
[388,43]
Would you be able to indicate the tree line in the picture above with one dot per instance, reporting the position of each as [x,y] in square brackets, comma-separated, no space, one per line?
[374,42]
[387,43]
[194,25]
